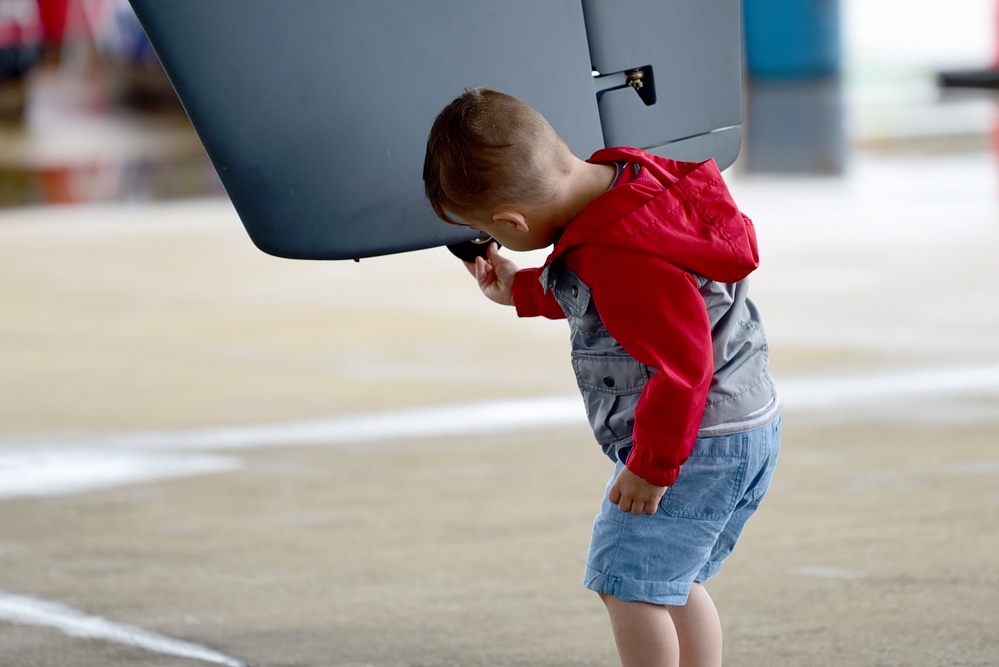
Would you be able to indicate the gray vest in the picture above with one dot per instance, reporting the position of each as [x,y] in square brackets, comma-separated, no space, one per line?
[611,380]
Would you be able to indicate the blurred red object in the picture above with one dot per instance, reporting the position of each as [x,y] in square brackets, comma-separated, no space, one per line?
[53,14]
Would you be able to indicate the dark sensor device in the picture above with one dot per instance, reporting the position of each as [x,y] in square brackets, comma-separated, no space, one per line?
[467,251]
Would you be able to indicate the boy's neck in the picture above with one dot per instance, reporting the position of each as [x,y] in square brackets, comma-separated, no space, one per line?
[585,182]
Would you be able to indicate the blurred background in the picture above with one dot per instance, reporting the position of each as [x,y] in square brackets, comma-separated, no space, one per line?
[86,113]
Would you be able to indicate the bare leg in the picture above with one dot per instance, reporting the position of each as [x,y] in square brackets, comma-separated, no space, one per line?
[644,633]
[649,635]
[698,630]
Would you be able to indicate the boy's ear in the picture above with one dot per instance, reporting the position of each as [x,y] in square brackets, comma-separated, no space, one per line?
[513,218]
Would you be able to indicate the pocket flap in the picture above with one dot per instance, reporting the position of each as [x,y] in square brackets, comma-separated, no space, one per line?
[612,374]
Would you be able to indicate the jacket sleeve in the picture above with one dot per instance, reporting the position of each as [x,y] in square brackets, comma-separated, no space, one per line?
[531,300]
[655,311]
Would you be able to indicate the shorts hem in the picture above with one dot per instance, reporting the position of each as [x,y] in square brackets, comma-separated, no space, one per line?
[709,571]
[629,590]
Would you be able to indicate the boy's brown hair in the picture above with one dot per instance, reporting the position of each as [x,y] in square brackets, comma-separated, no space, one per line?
[487,149]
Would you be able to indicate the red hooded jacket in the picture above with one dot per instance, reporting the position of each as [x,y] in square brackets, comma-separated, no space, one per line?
[638,247]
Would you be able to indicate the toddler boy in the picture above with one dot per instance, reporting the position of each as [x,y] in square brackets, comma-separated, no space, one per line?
[649,267]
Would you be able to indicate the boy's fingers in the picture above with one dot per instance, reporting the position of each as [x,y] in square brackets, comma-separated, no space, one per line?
[615,495]
[481,269]
[473,266]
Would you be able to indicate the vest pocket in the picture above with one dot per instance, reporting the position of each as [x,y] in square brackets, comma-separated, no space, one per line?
[572,294]
[610,385]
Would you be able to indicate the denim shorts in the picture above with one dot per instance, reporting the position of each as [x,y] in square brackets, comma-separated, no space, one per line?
[658,558]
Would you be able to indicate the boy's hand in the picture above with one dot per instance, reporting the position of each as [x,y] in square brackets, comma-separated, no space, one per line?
[633,494]
[494,275]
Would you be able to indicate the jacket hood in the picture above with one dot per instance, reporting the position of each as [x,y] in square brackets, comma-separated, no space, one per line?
[679,211]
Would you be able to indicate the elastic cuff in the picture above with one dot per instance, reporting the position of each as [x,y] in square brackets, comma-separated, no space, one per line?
[645,467]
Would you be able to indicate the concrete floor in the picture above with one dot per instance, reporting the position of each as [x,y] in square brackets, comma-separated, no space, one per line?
[208,455]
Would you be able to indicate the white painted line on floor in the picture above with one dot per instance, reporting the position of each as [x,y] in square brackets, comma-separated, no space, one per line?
[834,392]
[807,393]
[53,466]
[433,422]
[26,610]
[49,467]
[40,471]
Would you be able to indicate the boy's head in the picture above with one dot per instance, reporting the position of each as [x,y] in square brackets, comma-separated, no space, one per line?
[487,151]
